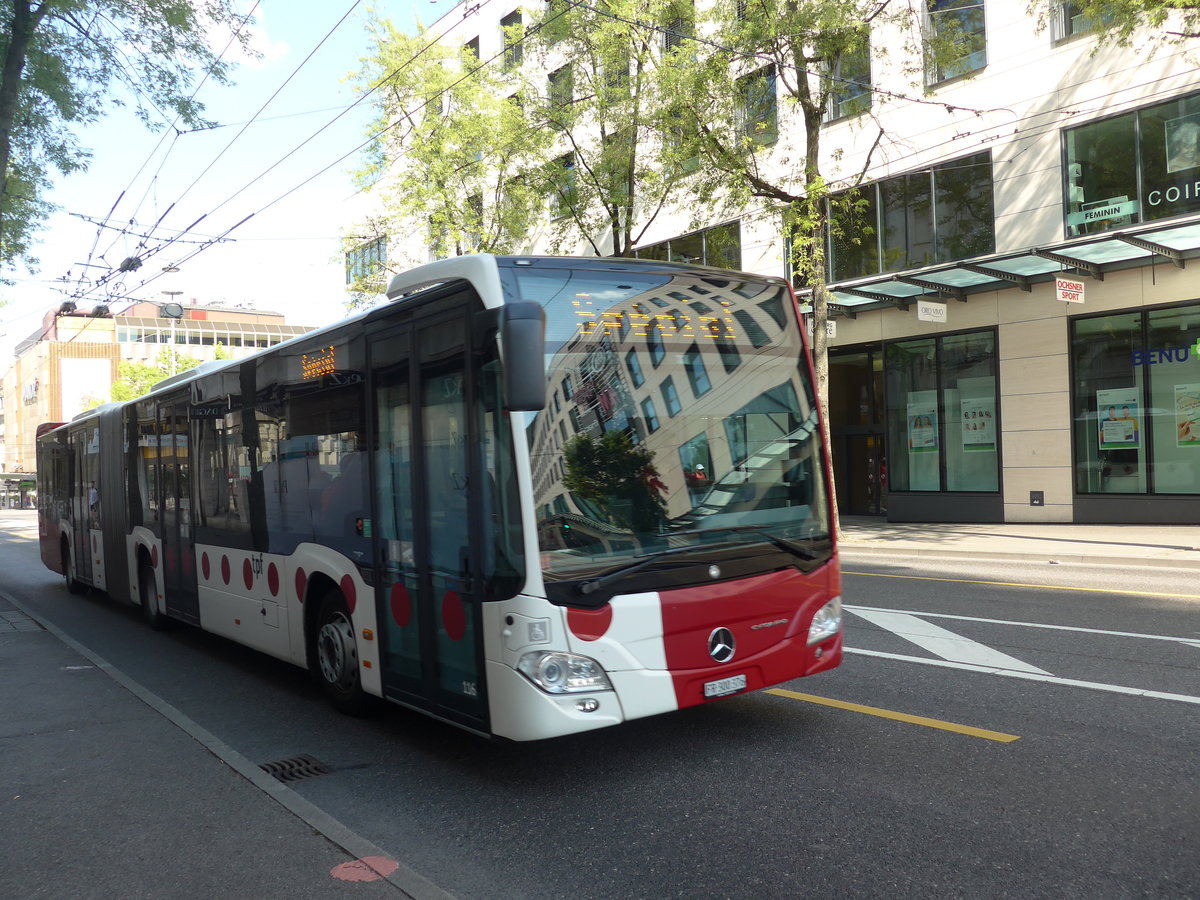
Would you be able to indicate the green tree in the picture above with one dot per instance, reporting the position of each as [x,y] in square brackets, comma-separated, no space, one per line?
[618,477]
[64,62]
[604,108]
[450,160]
[136,379]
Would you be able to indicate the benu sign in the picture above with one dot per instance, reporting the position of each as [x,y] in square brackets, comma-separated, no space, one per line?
[1068,291]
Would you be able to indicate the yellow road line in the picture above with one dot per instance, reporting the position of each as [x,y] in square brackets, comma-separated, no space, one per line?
[899,716]
[1044,587]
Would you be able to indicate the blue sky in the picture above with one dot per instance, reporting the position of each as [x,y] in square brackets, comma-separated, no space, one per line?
[285,258]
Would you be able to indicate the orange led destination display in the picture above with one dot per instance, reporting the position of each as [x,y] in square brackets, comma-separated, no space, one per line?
[668,324]
[314,365]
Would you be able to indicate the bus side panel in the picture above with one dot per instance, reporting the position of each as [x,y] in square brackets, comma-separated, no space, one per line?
[52,496]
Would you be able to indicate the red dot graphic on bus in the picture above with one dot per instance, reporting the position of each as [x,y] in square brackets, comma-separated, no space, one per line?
[248,574]
[454,616]
[589,624]
[225,569]
[401,605]
[205,566]
[273,579]
[349,593]
[170,559]
[154,556]
[301,584]
[188,563]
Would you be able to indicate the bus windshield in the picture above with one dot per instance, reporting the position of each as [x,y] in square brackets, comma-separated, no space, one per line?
[679,417]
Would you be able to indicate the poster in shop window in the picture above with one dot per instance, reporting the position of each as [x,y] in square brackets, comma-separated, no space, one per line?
[978,425]
[1118,419]
[1187,414]
[922,427]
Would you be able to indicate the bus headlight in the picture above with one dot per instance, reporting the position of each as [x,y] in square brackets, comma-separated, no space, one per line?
[827,622]
[563,673]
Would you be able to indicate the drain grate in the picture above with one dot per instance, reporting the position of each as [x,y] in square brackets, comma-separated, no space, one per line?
[296,768]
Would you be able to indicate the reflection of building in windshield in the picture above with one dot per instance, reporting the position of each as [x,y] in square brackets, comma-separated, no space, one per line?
[702,376]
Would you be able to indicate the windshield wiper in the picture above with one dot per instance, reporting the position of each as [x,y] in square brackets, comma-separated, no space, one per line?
[798,550]
[590,587]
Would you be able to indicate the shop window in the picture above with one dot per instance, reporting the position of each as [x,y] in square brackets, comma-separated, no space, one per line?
[941,214]
[1137,167]
[1136,404]
[942,416]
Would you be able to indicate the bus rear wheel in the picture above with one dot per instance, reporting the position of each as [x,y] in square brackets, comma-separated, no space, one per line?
[337,656]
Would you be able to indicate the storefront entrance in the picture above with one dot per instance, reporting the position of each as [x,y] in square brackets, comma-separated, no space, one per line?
[856,431]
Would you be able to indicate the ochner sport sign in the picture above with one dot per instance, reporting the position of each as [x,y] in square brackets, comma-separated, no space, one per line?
[1068,291]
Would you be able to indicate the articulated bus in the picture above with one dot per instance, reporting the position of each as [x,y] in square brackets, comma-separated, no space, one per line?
[528,496]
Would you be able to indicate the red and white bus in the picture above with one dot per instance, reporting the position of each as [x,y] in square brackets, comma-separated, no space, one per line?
[528,496]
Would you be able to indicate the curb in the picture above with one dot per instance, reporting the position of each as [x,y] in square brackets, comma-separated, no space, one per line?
[1155,562]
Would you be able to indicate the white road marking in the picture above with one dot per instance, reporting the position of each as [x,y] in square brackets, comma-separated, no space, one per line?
[928,615]
[1031,676]
[946,644]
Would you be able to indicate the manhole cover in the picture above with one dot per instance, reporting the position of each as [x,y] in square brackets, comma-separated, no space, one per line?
[295,768]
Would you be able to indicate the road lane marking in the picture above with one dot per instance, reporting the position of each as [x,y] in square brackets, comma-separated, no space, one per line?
[1045,587]
[899,716]
[931,615]
[943,643]
[1031,676]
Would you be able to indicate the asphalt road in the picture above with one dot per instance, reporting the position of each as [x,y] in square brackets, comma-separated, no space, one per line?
[954,753]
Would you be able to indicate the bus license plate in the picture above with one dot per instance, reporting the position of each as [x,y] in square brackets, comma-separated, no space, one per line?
[725,686]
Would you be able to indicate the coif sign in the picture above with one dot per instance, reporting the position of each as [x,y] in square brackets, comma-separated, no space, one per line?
[1068,291]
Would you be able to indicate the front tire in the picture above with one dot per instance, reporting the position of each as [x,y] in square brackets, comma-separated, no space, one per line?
[336,655]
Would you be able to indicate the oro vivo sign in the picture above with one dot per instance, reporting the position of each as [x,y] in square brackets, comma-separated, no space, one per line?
[1068,291]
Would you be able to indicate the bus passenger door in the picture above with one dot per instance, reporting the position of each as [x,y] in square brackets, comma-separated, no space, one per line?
[81,534]
[429,615]
[179,557]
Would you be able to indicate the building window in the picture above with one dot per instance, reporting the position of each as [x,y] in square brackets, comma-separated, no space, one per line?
[654,343]
[943,415]
[635,368]
[679,25]
[563,175]
[1068,20]
[560,87]
[697,374]
[959,38]
[649,415]
[670,397]
[513,36]
[849,82]
[757,109]
[719,246]
[366,260]
[940,214]
[1136,402]
[1137,167]
[472,47]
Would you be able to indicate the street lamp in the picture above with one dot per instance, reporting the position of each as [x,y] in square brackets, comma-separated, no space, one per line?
[172,310]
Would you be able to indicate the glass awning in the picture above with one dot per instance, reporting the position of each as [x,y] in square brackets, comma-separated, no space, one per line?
[1091,257]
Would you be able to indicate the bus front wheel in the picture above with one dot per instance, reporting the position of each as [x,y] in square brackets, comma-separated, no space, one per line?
[337,656]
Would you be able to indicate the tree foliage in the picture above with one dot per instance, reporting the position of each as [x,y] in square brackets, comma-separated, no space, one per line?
[136,379]
[63,63]
[619,477]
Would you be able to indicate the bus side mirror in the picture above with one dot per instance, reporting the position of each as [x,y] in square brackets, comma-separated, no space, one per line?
[522,341]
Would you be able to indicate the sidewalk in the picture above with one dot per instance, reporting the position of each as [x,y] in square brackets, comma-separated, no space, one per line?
[107,791]
[1172,546]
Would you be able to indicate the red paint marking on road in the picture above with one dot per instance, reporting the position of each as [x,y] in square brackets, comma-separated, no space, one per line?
[369,868]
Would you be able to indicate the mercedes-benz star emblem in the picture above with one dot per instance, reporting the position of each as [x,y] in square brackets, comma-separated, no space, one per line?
[720,645]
